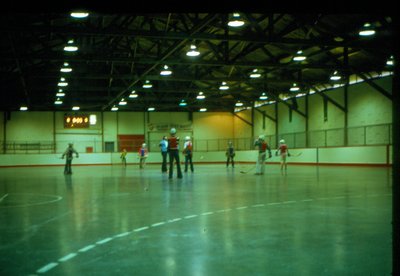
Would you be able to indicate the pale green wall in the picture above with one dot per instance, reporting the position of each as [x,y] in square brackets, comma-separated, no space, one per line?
[366,107]
[30,126]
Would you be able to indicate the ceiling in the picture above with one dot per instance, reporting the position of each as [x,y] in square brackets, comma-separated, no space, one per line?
[117,53]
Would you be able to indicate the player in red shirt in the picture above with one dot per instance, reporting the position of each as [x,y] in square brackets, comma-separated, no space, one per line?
[173,150]
[284,152]
[263,147]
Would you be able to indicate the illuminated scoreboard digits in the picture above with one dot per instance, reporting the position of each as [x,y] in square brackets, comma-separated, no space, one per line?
[76,121]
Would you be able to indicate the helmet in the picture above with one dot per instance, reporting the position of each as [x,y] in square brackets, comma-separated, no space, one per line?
[143,145]
[173,130]
[187,138]
[261,137]
[282,141]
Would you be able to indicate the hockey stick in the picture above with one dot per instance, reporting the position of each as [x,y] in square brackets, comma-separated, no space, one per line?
[244,172]
[296,155]
[252,168]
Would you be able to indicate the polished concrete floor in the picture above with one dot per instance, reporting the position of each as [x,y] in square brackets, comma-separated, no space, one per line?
[111,220]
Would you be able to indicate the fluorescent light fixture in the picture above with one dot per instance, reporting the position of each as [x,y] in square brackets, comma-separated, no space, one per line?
[76,108]
[62,84]
[133,94]
[60,94]
[236,21]
[201,96]
[114,108]
[255,74]
[70,47]
[23,108]
[390,61]
[239,103]
[224,86]
[166,71]
[58,101]
[151,109]
[122,102]
[66,69]
[193,51]
[147,84]
[79,14]
[299,56]
[183,103]
[335,76]
[294,88]
[367,30]
[203,109]
[263,96]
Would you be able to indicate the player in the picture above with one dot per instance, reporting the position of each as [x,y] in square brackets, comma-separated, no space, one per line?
[173,151]
[284,152]
[123,157]
[143,154]
[262,148]
[188,153]
[230,154]
[164,152]
[69,154]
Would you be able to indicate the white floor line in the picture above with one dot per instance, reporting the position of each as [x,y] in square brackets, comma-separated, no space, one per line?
[50,266]
[47,267]
[87,248]
[67,257]
[3,197]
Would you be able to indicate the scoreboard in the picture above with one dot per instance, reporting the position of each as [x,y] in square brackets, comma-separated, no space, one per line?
[76,121]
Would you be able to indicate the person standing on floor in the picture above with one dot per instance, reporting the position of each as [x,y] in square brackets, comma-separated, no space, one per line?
[188,153]
[173,151]
[283,150]
[230,154]
[164,152]
[143,154]
[69,156]
[262,152]
[123,157]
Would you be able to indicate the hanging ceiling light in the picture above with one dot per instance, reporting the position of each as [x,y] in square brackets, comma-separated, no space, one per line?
[203,109]
[294,87]
[66,68]
[133,94]
[122,102]
[58,101]
[335,76]
[70,46]
[76,108]
[201,96]
[147,84]
[166,71]
[224,86]
[183,103]
[114,108]
[235,20]
[255,74]
[79,14]
[23,108]
[193,51]
[263,96]
[299,56]
[367,30]
[151,109]
[62,83]
[60,93]
[238,103]
[390,61]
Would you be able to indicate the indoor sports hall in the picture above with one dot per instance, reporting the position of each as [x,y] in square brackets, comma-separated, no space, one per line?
[196,145]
